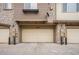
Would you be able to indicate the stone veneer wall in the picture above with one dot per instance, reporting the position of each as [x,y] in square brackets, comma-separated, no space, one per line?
[6,17]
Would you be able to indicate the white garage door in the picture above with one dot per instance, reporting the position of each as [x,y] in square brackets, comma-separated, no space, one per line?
[37,35]
[4,35]
[73,35]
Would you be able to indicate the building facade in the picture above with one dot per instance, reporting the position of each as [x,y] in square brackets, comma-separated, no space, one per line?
[39,22]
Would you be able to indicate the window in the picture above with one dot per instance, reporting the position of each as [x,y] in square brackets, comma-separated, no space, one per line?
[71,7]
[30,8]
[30,5]
[7,6]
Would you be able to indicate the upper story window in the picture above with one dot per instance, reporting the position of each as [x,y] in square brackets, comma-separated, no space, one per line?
[71,7]
[30,6]
[7,6]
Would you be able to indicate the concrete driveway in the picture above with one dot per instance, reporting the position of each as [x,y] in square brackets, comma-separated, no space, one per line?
[39,49]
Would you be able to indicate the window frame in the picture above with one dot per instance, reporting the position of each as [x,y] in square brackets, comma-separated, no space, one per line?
[7,6]
[64,8]
[30,7]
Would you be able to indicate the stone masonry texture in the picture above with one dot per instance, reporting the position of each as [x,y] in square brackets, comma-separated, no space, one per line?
[6,17]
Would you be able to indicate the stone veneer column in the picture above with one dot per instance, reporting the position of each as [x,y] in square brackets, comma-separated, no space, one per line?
[60,27]
[64,30]
[17,33]
[51,13]
[14,31]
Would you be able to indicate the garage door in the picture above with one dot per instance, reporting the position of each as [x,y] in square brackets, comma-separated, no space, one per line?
[37,35]
[73,35]
[4,35]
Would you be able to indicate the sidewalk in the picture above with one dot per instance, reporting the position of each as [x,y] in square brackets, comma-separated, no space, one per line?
[39,49]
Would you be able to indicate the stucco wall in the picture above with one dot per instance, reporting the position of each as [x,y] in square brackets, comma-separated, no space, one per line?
[60,15]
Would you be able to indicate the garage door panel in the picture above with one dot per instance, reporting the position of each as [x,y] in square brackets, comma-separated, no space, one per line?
[37,35]
[73,35]
[4,35]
